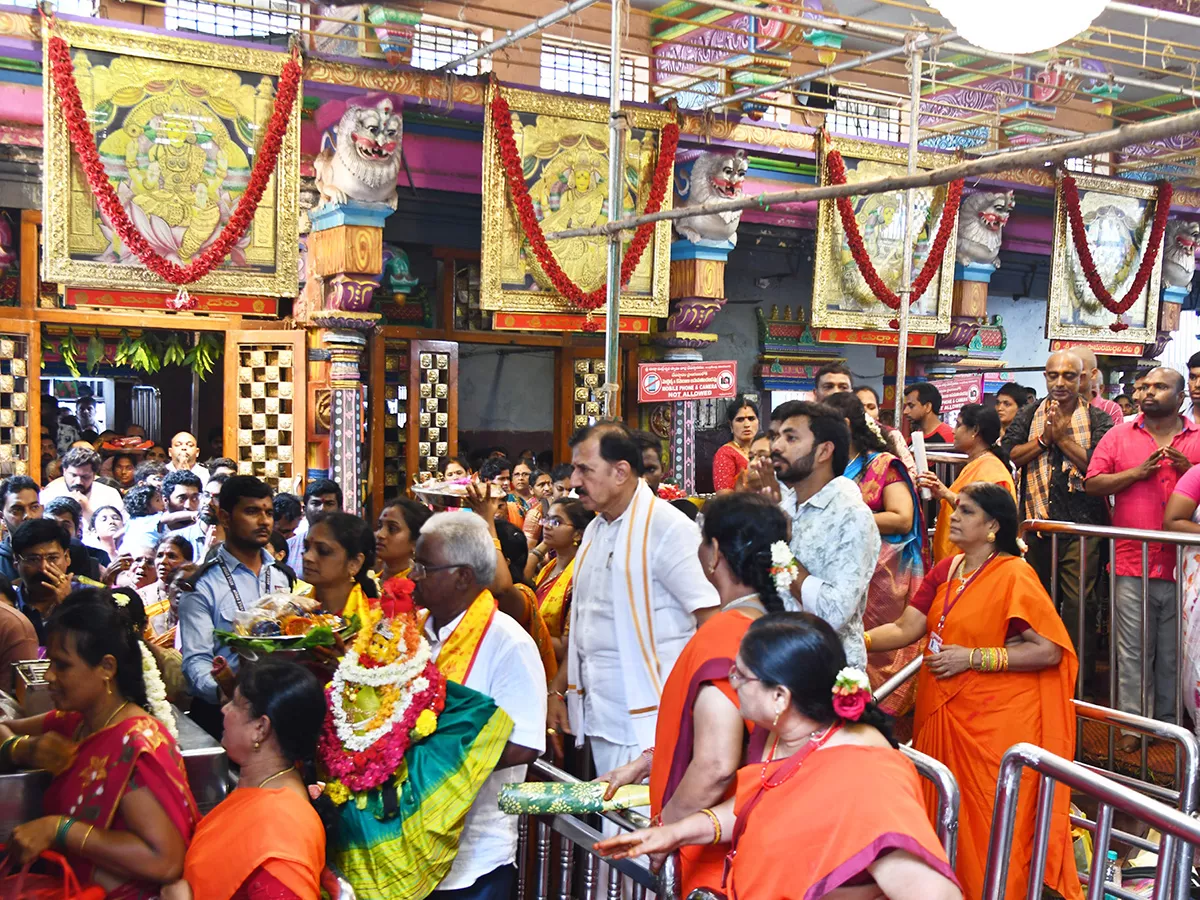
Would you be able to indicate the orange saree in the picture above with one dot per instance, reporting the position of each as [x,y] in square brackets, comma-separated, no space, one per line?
[969,720]
[252,828]
[706,659]
[823,827]
[986,467]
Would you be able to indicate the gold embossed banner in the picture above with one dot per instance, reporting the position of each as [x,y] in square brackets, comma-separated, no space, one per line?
[177,124]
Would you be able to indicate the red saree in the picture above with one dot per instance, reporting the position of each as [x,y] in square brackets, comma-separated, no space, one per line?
[820,829]
[728,464]
[706,659]
[969,720]
[133,754]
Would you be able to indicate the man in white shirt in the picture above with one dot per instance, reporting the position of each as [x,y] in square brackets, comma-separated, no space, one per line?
[321,496]
[80,466]
[184,455]
[639,594]
[453,563]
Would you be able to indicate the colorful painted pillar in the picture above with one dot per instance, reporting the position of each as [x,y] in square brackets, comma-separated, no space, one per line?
[343,268]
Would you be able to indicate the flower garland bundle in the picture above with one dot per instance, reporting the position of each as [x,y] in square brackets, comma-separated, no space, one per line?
[883,293]
[784,567]
[851,692]
[515,175]
[156,691]
[668,491]
[83,141]
[1162,208]
[385,694]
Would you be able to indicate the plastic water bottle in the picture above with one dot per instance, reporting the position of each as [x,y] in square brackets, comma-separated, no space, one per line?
[1112,873]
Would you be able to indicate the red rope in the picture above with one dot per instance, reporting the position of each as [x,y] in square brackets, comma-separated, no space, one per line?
[885,295]
[1162,208]
[84,143]
[514,173]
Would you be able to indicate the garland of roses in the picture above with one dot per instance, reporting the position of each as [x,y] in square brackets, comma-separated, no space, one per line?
[1162,207]
[515,175]
[82,139]
[883,293]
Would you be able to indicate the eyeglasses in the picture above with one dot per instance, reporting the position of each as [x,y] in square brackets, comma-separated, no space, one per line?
[737,677]
[420,570]
[37,559]
[551,522]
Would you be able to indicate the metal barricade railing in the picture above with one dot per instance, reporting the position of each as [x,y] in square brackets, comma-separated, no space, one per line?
[1058,532]
[1178,830]
[579,837]
[945,464]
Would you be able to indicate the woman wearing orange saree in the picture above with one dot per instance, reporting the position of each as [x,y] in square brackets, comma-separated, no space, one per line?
[699,740]
[976,434]
[1000,670]
[119,807]
[562,530]
[264,839]
[888,491]
[834,805]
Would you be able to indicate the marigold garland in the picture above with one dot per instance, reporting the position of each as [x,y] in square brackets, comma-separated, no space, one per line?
[883,293]
[1162,207]
[83,141]
[514,173]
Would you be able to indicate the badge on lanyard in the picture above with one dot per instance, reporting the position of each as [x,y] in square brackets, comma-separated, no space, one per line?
[935,642]
[935,638]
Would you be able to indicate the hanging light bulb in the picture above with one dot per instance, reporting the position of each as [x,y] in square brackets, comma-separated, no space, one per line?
[1019,26]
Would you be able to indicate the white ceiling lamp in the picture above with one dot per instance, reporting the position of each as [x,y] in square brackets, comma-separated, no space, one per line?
[1019,26]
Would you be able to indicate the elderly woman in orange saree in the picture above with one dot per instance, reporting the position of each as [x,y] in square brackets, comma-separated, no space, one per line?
[888,490]
[1000,670]
[699,740]
[119,807]
[832,805]
[976,434]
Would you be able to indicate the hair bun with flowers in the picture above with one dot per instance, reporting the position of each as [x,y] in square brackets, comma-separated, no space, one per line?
[784,568]
[851,693]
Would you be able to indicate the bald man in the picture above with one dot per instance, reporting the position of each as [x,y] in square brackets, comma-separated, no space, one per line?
[1091,383]
[1051,443]
[184,452]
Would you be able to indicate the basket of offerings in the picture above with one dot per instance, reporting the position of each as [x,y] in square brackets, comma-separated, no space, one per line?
[283,623]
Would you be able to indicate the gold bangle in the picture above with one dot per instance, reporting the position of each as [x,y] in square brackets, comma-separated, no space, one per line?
[86,835]
[867,640]
[1003,659]
[716,823]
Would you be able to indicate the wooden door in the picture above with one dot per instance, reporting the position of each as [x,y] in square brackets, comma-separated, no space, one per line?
[432,407]
[265,405]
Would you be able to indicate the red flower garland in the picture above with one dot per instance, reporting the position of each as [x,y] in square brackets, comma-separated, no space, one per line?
[883,293]
[84,143]
[515,175]
[1162,207]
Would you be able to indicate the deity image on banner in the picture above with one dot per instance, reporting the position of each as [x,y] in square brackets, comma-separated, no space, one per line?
[178,139]
[563,146]
[1117,216]
[841,296]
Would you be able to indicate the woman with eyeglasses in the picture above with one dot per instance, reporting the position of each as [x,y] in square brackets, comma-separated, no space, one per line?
[825,801]
[562,531]
[699,740]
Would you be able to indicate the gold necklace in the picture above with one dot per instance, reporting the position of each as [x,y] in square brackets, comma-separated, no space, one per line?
[109,720]
[263,783]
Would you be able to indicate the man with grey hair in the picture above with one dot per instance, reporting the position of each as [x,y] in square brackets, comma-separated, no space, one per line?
[478,646]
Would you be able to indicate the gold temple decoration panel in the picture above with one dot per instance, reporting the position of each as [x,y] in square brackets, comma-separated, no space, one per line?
[395,418]
[588,403]
[564,147]
[841,297]
[264,406]
[16,383]
[178,124]
[432,407]
[1117,214]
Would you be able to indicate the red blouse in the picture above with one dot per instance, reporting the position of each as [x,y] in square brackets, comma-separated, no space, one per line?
[728,463]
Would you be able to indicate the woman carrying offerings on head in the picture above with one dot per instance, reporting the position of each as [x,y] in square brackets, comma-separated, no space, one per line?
[831,804]
[888,490]
[119,807]
[265,840]
[733,458]
[1000,669]
[701,734]
[976,434]
[562,530]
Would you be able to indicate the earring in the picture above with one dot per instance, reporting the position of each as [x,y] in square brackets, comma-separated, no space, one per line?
[257,745]
[108,686]
[778,713]
[991,537]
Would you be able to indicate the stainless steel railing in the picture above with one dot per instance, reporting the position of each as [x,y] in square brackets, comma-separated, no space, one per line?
[1183,830]
[577,839]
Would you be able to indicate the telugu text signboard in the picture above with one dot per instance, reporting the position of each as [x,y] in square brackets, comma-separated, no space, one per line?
[674,382]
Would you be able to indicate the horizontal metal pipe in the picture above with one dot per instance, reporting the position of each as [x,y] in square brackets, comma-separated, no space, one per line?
[519,35]
[886,689]
[1052,526]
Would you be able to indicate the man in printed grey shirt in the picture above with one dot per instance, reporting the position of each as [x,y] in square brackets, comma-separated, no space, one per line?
[834,536]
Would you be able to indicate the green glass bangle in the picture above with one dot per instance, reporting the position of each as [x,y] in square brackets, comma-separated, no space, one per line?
[60,836]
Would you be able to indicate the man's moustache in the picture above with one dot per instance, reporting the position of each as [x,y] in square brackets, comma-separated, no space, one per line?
[580,492]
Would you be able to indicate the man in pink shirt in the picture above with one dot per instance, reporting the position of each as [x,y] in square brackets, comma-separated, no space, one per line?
[1138,463]
[1091,383]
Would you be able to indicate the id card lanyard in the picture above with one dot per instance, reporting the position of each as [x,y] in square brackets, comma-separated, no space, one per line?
[935,639]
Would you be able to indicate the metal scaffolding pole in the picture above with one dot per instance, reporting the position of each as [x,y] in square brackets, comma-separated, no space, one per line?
[905,292]
[616,154]
[519,35]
